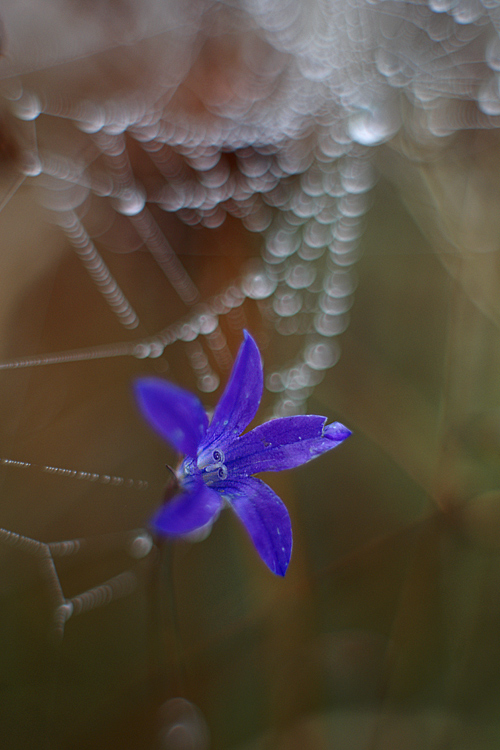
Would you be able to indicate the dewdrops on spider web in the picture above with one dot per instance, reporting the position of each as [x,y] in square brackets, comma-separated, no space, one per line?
[137,544]
[275,185]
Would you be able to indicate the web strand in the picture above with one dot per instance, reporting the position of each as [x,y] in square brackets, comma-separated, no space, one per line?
[97,269]
[88,476]
[162,252]
[137,543]
[12,191]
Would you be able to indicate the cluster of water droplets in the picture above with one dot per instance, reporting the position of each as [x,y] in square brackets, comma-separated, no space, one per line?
[307,206]
[284,145]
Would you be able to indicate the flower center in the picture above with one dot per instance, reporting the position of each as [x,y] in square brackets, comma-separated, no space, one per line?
[214,470]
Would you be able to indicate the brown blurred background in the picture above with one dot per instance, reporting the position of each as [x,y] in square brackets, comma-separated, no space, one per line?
[384,633]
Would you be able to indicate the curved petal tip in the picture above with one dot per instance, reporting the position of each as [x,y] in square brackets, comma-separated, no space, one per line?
[265,518]
[337,432]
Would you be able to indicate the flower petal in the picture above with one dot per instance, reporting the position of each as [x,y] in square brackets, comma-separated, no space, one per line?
[241,398]
[283,444]
[265,518]
[174,413]
[184,513]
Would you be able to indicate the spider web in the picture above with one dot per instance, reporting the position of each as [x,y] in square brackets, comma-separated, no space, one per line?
[173,174]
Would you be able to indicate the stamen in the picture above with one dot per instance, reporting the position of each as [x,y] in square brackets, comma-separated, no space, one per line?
[210,468]
[213,472]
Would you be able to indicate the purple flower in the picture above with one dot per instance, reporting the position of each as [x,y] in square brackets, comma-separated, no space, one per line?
[219,461]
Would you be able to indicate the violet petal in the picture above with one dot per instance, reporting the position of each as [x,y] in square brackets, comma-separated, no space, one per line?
[189,511]
[283,444]
[264,516]
[240,400]
[174,413]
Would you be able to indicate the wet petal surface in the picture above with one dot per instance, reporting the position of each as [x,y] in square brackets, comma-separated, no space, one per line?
[283,444]
[241,398]
[265,517]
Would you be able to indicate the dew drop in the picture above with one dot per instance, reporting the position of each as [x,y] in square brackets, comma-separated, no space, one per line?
[92,118]
[312,182]
[214,218]
[156,349]
[339,284]
[28,107]
[467,12]
[440,6]
[141,351]
[259,220]
[287,407]
[297,378]
[330,325]
[32,165]
[489,98]
[335,305]
[283,243]
[188,332]
[370,127]
[317,235]
[352,205]
[274,383]
[258,285]
[493,53]
[141,545]
[308,252]
[207,323]
[287,303]
[322,356]
[300,276]
[130,202]
[209,383]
